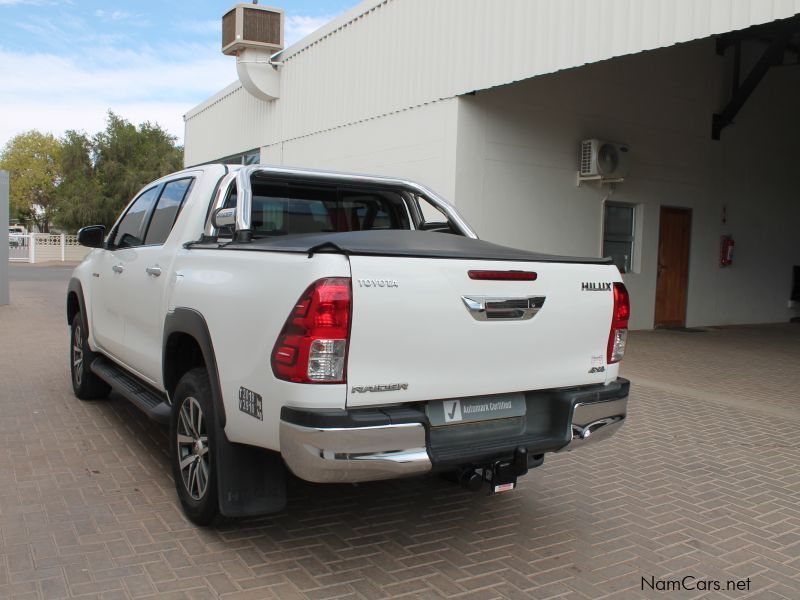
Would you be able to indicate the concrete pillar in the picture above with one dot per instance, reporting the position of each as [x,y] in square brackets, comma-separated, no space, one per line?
[63,246]
[32,249]
[3,237]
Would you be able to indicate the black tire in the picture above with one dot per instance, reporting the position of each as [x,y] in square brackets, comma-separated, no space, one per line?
[192,419]
[85,384]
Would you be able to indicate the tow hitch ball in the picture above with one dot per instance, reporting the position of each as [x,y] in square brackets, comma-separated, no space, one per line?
[501,475]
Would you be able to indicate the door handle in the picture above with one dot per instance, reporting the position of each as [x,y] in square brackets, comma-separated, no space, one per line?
[118,268]
[484,308]
[155,271]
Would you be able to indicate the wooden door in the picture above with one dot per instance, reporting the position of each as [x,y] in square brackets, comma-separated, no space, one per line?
[672,282]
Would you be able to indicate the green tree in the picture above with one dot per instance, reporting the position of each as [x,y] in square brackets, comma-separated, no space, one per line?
[127,158]
[33,162]
[80,196]
[102,173]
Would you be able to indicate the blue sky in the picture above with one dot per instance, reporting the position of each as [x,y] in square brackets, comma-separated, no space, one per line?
[64,63]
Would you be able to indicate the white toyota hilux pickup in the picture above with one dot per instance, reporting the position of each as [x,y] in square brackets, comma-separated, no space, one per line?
[348,327]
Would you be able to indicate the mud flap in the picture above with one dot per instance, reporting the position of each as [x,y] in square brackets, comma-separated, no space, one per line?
[251,481]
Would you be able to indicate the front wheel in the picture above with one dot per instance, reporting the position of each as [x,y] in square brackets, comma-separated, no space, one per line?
[85,384]
[192,441]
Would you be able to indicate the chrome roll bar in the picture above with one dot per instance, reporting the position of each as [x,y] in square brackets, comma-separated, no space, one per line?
[244,198]
[219,201]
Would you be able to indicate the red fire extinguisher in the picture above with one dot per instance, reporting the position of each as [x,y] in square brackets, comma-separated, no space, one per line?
[726,251]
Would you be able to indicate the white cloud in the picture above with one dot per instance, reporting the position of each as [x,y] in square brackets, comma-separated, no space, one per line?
[79,72]
[299,26]
[68,34]
[211,26]
[116,15]
[29,2]
[55,93]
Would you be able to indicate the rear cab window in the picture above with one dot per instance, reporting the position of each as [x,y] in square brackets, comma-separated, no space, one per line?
[289,208]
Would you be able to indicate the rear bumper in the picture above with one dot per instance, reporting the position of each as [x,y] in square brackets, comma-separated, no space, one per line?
[595,421]
[326,454]
[386,443]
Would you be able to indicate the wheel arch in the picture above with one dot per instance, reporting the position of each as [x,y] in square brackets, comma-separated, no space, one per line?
[187,344]
[76,303]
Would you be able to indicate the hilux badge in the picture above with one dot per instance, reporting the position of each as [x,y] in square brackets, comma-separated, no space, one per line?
[591,286]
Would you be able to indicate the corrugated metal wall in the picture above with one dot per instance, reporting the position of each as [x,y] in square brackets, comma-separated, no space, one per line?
[395,54]
[233,122]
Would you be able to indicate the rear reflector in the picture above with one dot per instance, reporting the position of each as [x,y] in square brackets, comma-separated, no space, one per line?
[504,487]
[312,347]
[618,337]
[502,275]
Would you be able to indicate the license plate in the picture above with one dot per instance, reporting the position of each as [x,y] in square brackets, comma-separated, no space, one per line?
[468,410]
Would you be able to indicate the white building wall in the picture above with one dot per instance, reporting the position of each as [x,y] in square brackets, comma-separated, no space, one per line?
[384,56]
[418,144]
[517,154]
[232,122]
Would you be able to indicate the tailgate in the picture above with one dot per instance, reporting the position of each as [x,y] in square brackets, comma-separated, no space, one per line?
[413,336]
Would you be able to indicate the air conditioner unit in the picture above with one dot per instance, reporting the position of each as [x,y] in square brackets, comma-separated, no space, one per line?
[604,160]
[252,26]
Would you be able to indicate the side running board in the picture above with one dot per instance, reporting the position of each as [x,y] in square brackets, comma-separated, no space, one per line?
[145,398]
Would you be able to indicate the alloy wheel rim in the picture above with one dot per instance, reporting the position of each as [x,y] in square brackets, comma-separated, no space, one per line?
[192,441]
[77,354]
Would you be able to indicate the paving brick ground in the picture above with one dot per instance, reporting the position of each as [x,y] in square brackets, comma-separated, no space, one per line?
[704,480]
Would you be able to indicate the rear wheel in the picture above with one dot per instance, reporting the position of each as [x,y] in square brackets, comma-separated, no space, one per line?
[85,384]
[192,442]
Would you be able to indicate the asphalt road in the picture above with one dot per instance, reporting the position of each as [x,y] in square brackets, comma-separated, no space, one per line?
[26,272]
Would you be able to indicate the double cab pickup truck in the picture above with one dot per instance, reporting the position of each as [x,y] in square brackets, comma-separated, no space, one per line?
[345,327]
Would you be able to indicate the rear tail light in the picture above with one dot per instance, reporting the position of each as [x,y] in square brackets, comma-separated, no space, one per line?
[312,346]
[619,324]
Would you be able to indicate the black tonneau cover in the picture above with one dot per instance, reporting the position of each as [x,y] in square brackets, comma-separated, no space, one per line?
[413,244]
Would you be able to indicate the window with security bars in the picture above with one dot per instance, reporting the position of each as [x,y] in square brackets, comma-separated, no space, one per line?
[619,228]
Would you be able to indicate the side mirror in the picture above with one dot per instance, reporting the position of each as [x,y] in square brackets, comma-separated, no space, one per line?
[223,217]
[92,236]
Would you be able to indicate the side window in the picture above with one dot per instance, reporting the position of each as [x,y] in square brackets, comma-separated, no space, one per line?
[167,209]
[130,229]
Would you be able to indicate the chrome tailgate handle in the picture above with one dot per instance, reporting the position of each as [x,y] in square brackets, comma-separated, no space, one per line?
[154,270]
[486,308]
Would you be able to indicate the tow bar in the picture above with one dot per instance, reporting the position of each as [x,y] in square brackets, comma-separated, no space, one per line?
[500,475]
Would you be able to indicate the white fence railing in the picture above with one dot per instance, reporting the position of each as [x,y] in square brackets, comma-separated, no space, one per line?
[45,247]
